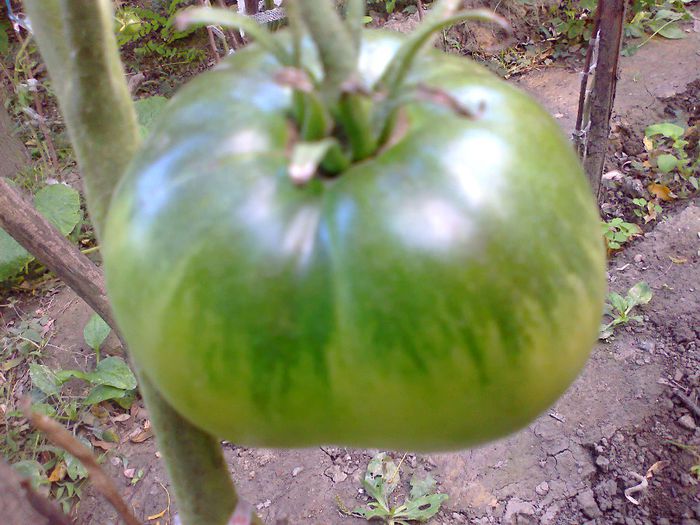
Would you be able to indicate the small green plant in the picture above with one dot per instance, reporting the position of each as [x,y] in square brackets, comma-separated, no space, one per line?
[50,470]
[647,210]
[667,143]
[62,476]
[154,33]
[654,17]
[619,308]
[617,232]
[95,333]
[695,468]
[381,480]
[571,23]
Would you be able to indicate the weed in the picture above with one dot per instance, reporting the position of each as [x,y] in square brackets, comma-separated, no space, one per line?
[153,33]
[617,232]
[381,480]
[695,468]
[654,17]
[619,308]
[571,23]
[668,146]
[52,471]
[647,210]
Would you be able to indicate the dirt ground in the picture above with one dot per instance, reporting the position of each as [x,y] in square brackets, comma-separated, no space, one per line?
[573,464]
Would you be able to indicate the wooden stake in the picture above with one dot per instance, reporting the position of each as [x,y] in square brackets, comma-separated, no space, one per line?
[598,89]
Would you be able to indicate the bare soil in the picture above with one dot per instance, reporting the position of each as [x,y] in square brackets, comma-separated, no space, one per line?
[573,464]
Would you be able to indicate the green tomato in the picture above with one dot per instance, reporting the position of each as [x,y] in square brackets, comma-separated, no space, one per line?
[438,294]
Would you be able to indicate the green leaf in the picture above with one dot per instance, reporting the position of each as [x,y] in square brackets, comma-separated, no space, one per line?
[4,39]
[147,112]
[640,293]
[667,15]
[60,204]
[374,510]
[421,509]
[95,332]
[605,331]
[74,468]
[104,393]
[422,487]
[32,470]
[618,302]
[671,31]
[666,129]
[630,50]
[64,375]
[11,363]
[381,479]
[44,379]
[44,409]
[666,162]
[113,371]
[12,256]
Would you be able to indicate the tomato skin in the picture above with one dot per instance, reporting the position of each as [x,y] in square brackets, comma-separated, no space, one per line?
[437,295]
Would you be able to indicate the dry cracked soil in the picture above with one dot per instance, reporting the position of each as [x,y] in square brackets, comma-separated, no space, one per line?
[621,422]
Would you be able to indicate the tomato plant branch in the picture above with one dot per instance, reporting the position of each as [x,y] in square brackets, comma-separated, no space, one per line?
[77,40]
[334,42]
[78,46]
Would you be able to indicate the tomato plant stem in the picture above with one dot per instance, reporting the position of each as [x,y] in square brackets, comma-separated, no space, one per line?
[334,42]
[91,89]
[77,43]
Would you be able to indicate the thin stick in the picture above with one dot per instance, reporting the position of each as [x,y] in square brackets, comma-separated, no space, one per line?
[694,408]
[59,436]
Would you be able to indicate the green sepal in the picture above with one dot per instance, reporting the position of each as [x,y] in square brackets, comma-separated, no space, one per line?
[354,114]
[307,157]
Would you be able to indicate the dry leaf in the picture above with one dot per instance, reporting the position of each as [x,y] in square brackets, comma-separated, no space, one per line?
[648,144]
[613,175]
[147,424]
[46,328]
[99,412]
[104,445]
[656,468]
[678,260]
[141,436]
[121,418]
[157,516]
[661,191]
[58,473]
[651,214]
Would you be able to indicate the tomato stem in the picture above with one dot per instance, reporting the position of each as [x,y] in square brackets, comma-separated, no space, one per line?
[355,114]
[354,19]
[334,43]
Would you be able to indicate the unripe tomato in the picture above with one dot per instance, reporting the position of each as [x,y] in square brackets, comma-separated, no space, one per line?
[438,294]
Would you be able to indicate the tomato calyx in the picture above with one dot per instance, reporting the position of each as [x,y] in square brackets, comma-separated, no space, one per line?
[338,121]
